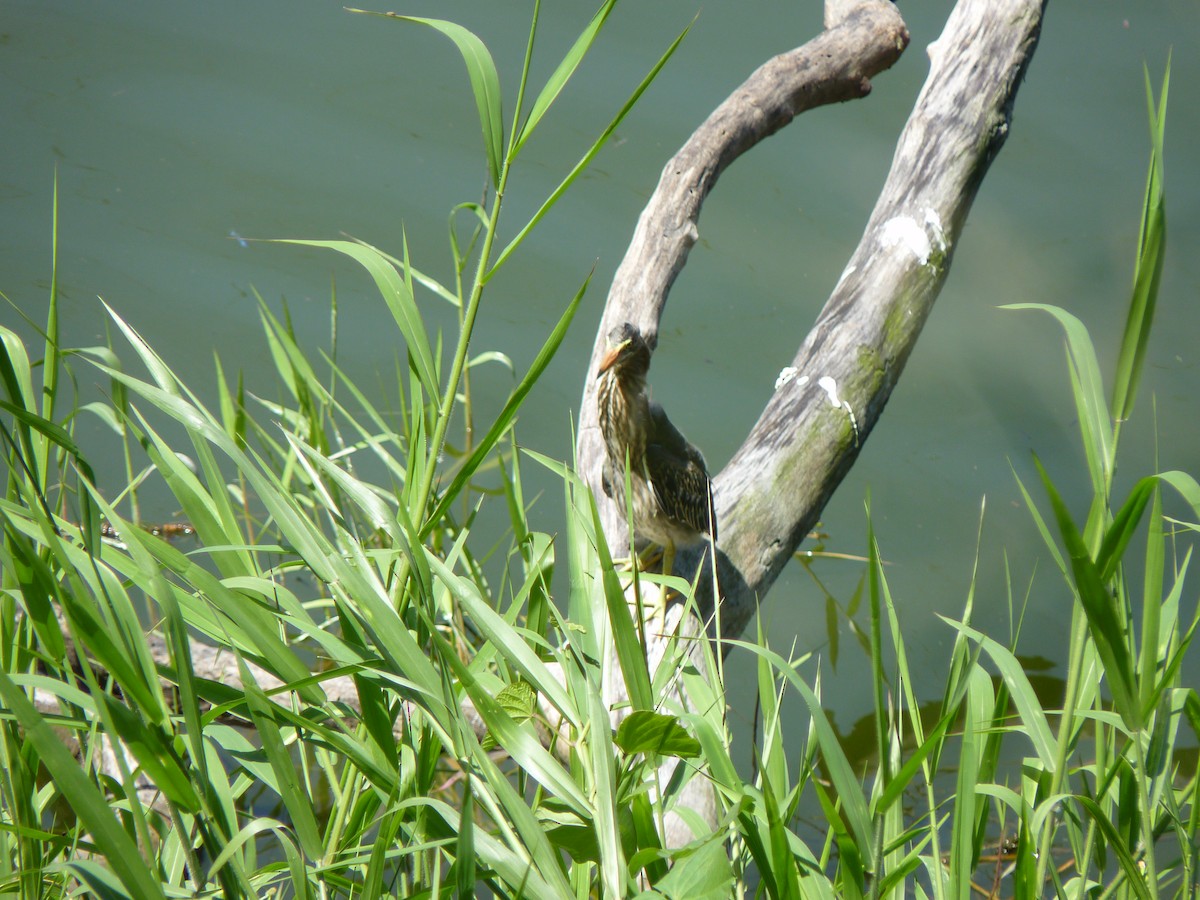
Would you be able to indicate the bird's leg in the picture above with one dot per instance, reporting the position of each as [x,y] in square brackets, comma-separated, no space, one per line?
[650,555]
[668,566]
[627,563]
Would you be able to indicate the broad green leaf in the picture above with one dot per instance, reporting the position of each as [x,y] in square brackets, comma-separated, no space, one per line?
[518,699]
[645,731]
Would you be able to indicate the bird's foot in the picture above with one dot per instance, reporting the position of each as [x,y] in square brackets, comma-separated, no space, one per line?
[650,557]
[625,563]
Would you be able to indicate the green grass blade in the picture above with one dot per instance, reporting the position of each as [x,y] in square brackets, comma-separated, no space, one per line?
[631,655]
[1037,728]
[485,83]
[208,512]
[37,583]
[1147,272]
[1169,667]
[52,434]
[979,711]
[1187,487]
[505,419]
[412,273]
[1106,622]
[50,362]
[1125,522]
[152,748]
[399,299]
[125,661]
[518,654]
[587,157]
[1149,657]
[520,741]
[464,862]
[258,625]
[783,863]
[295,797]
[841,773]
[85,798]
[1042,528]
[561,75]
[1130,867]
[603,764]
[899,782]
[1088,391]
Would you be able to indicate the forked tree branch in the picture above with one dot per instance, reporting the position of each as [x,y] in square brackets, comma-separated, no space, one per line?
[827,401]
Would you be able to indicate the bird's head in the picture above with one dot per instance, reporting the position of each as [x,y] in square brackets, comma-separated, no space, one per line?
[628,351]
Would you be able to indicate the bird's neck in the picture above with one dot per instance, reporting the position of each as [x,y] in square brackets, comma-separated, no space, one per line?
[634,387]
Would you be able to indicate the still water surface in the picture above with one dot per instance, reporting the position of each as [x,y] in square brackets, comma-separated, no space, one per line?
[178,131]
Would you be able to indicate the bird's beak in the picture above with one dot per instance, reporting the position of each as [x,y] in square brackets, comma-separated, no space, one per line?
[609,359]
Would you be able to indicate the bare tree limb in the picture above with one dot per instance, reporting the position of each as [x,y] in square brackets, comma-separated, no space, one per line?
[827,402]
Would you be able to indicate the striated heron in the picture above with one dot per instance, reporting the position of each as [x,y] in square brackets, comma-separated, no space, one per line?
[671,494]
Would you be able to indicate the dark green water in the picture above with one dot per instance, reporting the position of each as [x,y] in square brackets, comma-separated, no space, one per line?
[174,127]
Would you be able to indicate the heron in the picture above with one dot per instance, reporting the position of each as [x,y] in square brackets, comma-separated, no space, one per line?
[670,491]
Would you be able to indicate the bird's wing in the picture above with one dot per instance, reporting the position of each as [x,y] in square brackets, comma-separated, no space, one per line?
[679,475]
[664,433]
